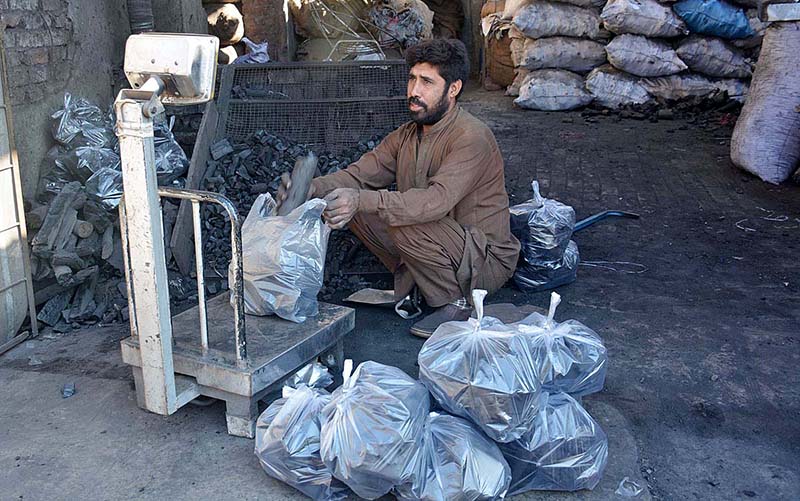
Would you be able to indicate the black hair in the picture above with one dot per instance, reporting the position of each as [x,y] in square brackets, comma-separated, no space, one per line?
[448,55]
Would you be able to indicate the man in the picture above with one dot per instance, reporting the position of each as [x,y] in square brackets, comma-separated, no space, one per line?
[446,228]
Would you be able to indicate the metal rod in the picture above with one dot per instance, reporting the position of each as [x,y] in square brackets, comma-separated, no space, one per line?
[15,174]
[15,341]
[585,223]
[237,285]
[12,227]
[201,283]
[123,232]
[338,100]
[13,284]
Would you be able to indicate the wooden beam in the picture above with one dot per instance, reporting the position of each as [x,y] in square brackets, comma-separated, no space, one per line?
[182,243]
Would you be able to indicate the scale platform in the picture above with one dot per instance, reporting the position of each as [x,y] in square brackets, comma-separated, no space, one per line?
[276,348]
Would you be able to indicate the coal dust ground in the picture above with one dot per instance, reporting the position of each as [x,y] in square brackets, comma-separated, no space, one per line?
[698,303]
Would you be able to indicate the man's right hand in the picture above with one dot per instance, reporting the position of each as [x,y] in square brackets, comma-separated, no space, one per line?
[286,184]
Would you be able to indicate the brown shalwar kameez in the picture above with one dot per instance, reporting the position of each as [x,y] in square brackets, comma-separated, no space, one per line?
[446,228]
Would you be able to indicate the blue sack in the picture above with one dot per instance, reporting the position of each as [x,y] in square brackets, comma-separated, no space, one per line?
[714,17]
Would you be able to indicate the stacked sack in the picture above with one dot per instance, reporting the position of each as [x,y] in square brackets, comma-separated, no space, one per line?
[553,46]
[514,423]
[565,449]
[375,435]
[547,258]
[626,52]
[514,383]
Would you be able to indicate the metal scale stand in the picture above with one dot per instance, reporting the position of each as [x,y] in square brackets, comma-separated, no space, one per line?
[212,349]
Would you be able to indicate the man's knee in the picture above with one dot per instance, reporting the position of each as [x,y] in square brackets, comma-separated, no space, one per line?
[413,235]
[401,235]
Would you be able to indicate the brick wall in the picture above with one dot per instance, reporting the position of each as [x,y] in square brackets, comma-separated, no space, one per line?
[39,47]
[53,47]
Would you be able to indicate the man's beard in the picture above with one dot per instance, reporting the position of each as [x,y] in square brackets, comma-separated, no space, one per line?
[429,116]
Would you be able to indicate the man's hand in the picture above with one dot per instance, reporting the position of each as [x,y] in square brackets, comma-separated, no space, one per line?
[342,206]
[283,189]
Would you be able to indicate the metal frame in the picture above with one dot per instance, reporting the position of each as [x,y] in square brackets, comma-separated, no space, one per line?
[778,12]
[20,226]
[237,286]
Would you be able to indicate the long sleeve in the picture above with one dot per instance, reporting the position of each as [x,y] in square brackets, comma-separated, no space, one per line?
[459,174]
[374,170]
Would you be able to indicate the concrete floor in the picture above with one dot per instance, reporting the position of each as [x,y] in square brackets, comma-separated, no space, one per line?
[696,301]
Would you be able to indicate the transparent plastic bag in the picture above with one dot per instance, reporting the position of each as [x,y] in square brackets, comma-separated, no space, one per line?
[566,450]
[543,227]
[105,186]
[283,259]
[90,159]
[80,123]
[314,375]
[372,428]
[171,160]
[288,440]
[548,275]
[483,370]
[456,462]
[56,168]
[571,357]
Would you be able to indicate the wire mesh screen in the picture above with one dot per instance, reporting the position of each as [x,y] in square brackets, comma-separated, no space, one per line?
[327,125]
[329,106]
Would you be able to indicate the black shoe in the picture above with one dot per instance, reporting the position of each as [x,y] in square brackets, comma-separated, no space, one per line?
[447,313]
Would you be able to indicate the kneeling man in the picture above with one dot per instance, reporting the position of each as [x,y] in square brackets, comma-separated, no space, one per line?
[446,227]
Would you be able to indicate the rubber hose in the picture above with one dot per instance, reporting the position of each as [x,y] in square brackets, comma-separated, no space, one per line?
[140,16]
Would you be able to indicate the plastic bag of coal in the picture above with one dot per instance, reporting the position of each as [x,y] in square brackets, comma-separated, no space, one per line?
[81,123]
[105,186]
[543,227]
[565,450]
[547,256]
[546,275]
[372,428]
[314,374]
[171,160]
[483,370]
[456,462]
[571,357]
[287,443]
[283,259]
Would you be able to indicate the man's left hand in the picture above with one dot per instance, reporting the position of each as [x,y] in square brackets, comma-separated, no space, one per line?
[342,206]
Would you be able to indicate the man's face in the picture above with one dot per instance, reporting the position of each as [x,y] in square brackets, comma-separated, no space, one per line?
[427,94]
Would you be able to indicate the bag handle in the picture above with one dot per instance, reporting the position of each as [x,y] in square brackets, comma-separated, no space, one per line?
[478,295]
[555,300]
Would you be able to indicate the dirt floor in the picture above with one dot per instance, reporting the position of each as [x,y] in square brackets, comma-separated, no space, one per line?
[697,302]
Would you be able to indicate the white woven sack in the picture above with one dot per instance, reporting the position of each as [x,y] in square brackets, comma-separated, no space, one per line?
[643,57]
[766,140]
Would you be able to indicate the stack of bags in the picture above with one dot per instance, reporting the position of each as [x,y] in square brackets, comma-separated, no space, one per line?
[624,52]
[519,383]
[554,45]
[511,422]
[547,258]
